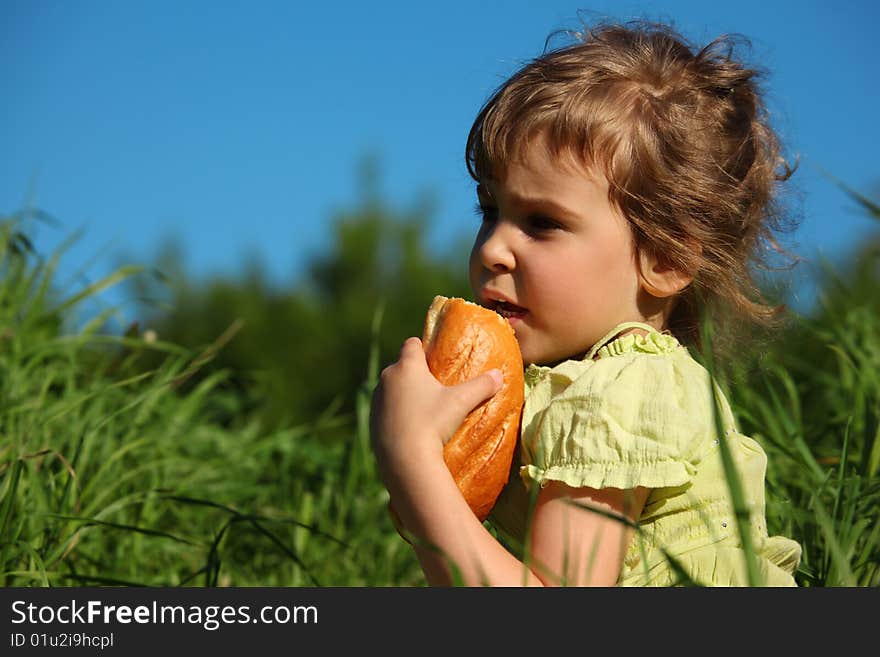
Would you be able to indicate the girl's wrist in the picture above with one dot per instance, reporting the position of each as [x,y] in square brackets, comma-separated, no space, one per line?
[410,459]
[413,488]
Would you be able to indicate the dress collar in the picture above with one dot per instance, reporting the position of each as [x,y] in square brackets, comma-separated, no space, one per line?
[653,342]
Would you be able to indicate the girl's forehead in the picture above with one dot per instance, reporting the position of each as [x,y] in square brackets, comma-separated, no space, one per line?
[537,162]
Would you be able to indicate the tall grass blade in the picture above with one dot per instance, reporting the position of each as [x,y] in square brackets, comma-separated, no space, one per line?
[741,510]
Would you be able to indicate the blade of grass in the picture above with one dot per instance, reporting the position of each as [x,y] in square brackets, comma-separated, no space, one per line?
[741,510]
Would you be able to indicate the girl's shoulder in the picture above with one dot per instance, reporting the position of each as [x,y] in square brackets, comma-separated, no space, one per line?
[639,357]
[643,378]
[648,358]
[650,369]
[639,411]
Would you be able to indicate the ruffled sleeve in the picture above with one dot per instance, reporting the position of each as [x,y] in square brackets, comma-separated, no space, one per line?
[637,416]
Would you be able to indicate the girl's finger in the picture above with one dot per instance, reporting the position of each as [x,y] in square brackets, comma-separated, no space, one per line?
[410,345]
[470,394]
[412,353]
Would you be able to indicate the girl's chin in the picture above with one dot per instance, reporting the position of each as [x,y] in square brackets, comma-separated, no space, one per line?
[532,346]
[530,355]
[534,355]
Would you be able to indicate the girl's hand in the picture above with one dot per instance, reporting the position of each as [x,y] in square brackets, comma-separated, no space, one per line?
[411,418]
[413,415]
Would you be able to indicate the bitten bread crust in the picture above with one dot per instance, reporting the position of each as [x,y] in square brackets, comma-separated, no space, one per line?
[461,341]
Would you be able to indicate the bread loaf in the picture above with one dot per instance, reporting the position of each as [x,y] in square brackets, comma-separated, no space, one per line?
[461,341]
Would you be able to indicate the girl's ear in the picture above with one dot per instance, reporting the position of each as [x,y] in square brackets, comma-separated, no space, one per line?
[659,278]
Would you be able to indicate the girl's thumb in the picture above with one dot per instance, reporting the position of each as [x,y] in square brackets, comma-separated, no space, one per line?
[479,389]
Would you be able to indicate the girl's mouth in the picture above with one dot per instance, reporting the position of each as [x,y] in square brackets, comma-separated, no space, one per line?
[508,310]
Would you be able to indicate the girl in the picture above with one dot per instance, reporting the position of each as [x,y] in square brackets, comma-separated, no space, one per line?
[620,180]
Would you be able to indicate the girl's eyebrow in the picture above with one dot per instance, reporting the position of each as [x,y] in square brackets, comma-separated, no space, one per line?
[544,204]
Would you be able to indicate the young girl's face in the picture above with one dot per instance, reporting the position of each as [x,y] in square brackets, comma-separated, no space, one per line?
[554,256]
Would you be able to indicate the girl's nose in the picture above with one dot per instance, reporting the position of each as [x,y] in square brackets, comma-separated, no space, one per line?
[494,247]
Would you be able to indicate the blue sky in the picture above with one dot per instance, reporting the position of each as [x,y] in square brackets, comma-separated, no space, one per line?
[238,127]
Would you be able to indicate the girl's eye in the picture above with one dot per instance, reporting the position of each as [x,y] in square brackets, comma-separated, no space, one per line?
[538,224]
[486,212]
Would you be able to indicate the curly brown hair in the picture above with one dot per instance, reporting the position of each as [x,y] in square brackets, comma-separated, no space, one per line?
[682,136]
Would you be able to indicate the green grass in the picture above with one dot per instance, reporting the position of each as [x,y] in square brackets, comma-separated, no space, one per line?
[113,476]
[110,475]
[817,420]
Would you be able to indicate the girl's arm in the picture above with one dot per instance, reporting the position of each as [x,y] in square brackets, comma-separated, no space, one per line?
[413,415]
[574,542]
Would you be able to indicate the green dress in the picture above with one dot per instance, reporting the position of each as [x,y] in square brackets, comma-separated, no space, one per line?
[638,411]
